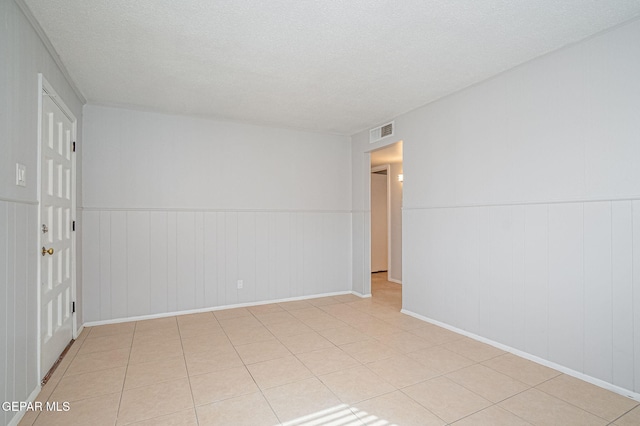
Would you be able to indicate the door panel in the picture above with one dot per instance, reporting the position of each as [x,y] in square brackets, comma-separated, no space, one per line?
[56,213]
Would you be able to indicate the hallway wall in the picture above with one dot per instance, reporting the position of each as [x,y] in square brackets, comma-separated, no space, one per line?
[379,223]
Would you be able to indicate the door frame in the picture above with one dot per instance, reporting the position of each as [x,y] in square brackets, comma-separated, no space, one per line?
[365,175]
[45,87]
[386,167]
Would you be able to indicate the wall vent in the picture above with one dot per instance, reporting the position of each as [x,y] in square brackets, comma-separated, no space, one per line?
[381,132]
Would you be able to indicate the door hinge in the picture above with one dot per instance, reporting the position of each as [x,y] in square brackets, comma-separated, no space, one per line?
[73,225]
[73,307]
[74,147]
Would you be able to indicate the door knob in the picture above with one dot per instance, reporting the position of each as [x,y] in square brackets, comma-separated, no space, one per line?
[45,251]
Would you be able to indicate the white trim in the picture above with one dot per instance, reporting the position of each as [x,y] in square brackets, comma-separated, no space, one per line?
[364,296]
[39,238]
[74,231]
[366,264]
[51,93]
[198,209]
[525,203]
[20,414]
[216,308]
[594,381]
[393,280]
[16,201]
[366,231]
[49,47]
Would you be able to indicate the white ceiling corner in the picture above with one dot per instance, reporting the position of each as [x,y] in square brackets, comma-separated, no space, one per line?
[327,66]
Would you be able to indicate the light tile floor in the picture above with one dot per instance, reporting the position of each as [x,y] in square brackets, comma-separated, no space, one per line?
[337,360]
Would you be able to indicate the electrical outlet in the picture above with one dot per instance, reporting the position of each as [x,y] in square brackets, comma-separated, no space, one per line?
[21,174]
[240,284]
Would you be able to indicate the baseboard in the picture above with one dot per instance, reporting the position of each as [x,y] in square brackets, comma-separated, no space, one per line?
[393,280]
[20,414]
[79,331]
[212,309]
[364,296]
[578,375]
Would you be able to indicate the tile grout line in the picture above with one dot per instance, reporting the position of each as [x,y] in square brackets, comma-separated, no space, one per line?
[637,406]
[59,380]
[564,400]
[445,375]
[245,365]
[124,380]
[186,368]
[249,371]
[363,312]
[317,377]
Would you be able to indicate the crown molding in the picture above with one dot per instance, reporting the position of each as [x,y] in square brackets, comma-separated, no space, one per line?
[52,51]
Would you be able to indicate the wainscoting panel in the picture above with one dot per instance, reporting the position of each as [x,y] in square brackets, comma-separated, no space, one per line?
[186,297]
[636,292]
[622,251]
[118,262]
[361,272]
[536,281]
[566,284]
[598,322]
[103,273]
[18,304]
[143,262]
[158,263]
[139,253]
[467,297]
[560,281]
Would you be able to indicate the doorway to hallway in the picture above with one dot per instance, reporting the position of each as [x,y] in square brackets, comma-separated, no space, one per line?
[386,292]
[386,182]
[385,195]
[380,229]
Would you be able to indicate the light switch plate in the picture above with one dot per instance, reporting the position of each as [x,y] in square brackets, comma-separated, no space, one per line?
[21,174]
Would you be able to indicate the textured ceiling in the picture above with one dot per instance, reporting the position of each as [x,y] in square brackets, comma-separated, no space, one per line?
[330,66]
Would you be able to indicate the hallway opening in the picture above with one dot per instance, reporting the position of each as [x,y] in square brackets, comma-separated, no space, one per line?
[387,180]
[386,292]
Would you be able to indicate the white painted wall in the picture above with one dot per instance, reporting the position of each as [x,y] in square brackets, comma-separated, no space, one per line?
[177,209]
[395,268]
[23,57]
[148,160]
[379,223]
[360,215]
[522,208]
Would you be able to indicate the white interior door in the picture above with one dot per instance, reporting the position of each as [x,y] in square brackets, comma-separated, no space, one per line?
[379,223]
[56,211]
